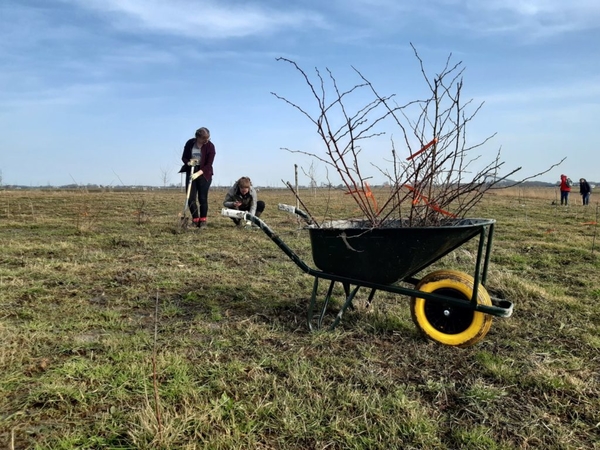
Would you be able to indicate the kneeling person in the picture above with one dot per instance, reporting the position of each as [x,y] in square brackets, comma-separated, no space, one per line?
[242,196]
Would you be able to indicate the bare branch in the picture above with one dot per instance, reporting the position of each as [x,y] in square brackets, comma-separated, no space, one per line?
[444,175]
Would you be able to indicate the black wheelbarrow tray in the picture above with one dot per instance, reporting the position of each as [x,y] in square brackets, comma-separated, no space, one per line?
[450,307]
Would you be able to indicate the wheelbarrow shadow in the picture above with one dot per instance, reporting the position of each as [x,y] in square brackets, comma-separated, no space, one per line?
[216,305]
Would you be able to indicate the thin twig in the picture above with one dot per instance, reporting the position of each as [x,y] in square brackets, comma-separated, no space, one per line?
[443,176]
[304,208]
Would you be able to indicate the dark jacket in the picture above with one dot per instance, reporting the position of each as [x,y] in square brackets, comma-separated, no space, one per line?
[584,188]
[207,153]
[249,201]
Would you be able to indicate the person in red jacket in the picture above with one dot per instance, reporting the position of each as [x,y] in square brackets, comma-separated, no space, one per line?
[565,188]
[198,156]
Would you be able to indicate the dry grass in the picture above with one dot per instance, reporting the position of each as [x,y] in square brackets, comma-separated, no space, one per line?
[236,367]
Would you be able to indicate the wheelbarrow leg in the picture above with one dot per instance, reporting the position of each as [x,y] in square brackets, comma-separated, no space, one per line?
[347,303]
[347,292]
[326,303]
[311,306]
[313,303]
[350,294]
[370,299]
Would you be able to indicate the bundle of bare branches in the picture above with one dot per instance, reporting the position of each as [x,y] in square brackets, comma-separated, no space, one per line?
[439,175]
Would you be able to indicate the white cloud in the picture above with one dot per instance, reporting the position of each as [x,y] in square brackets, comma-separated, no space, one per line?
[521,18]
[553,8]
[535,18]
[202,19]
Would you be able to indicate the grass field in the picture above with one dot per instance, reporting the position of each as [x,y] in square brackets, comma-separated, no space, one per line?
[121,330]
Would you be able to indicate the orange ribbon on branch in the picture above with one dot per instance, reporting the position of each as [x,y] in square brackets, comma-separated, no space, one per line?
[418,197]
[414,155]
[368,193]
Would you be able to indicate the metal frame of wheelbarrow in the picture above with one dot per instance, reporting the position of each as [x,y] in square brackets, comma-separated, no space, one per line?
[499,307]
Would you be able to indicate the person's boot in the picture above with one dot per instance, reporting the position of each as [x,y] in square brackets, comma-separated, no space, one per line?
[202,223]
[196,221]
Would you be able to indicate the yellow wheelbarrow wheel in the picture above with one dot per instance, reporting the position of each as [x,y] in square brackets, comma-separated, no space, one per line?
[450,324]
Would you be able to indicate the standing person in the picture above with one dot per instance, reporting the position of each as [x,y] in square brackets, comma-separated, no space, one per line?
[585,190]
[242,196]
[565,188]
[198,156]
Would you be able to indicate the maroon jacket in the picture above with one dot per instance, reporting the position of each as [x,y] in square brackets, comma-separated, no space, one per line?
[207,153]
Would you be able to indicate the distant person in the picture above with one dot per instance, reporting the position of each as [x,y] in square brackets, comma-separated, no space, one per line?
[565,188]
[242,196]
[585,190]
[198,156]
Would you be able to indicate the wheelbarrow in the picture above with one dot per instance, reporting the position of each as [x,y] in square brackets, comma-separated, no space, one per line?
[447,306]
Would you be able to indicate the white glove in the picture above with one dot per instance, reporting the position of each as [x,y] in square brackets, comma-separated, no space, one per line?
[248,223]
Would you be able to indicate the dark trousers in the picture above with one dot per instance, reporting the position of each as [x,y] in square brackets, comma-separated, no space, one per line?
[260,207]
[199,191]
[586,198]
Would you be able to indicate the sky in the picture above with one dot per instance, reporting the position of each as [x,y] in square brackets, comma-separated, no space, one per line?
[108,91]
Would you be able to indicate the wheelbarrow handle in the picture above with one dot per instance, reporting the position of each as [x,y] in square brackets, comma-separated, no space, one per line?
[293,210]
[287,208]
[233,213]
[236,214]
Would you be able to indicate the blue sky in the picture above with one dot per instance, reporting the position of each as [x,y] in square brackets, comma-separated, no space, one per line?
[108,91]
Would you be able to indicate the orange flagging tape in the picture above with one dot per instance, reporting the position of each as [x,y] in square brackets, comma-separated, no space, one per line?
[418,197]
[414,155]
[368,193]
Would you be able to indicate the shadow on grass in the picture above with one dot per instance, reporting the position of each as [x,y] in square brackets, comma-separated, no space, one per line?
[228,303]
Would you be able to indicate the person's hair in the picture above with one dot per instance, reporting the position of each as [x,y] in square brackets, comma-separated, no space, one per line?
[244,182]
[202,133]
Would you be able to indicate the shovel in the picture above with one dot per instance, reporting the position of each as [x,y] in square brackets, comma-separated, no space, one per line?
[193,163]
